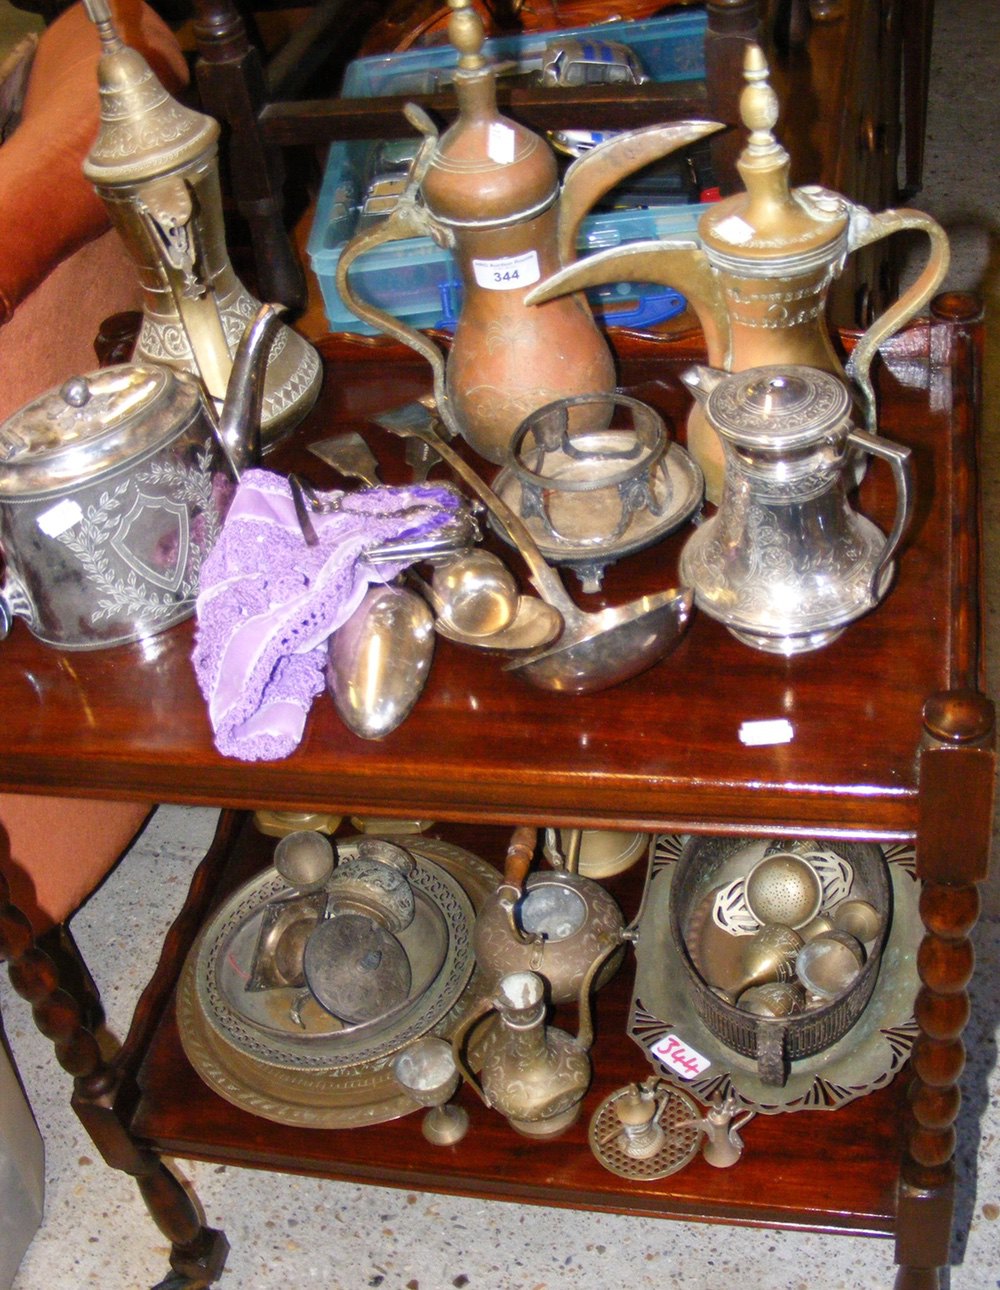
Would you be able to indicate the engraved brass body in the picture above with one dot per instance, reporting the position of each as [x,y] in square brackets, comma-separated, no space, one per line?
[759,277]
[488,189]
[154,163]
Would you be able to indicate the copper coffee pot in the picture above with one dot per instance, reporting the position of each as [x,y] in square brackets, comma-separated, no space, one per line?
[488,189]
[759,279]
[155,165]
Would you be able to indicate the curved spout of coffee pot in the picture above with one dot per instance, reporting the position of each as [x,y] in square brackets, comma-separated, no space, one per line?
[238,426]
[677,264]
[597,171]
[702,380]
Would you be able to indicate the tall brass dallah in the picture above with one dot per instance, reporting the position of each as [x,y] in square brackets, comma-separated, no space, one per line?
[489,190]
[155,165]
[759,279]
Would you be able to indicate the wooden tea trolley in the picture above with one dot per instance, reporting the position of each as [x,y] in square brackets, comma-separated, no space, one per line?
[892,742]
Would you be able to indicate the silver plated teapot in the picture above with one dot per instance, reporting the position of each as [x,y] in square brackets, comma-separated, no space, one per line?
[113,490]
[787,562]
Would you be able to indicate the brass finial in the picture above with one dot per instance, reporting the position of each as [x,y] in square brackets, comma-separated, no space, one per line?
[759,107]
[99,13]
[465,31]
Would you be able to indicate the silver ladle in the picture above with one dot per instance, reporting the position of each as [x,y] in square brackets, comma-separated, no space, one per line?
[530,624]
[595,650]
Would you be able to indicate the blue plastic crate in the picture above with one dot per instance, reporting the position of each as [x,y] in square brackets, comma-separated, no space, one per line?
[670,48]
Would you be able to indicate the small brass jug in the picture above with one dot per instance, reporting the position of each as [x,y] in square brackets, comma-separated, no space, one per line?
[155,165]
[532,1073]
[759,277]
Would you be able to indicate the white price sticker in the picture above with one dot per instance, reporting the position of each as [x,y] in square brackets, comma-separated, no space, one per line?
[757,734]
[57,519]
[511,273]
[681,1059]
[500,143]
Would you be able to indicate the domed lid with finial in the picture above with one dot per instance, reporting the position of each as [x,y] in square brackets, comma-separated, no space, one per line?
[486,170]
[771,224]
[144,132]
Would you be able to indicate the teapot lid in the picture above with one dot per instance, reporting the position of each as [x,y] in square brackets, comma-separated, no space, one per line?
[91,424]
[771,229]
[486,170]
[778,406]
[144,132]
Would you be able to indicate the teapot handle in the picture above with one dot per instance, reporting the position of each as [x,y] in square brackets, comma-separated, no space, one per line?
[15,601]
[865,229]
[483,1008]
[407,220]
[900,462]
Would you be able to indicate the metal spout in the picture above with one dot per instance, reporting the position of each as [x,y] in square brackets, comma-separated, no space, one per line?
[702,380]
[238,427]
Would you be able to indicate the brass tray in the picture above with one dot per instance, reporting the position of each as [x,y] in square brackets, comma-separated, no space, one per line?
[259,1024]
[335,1095]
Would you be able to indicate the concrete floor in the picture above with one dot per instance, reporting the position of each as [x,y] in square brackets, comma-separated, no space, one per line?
[300,1232]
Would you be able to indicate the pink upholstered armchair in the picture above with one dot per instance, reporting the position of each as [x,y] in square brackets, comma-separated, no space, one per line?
[62,271]
[62,268]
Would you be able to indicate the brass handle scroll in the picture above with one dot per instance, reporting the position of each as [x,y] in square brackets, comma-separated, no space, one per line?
[867,228]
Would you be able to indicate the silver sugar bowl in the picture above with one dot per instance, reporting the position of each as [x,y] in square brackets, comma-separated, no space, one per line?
[787,562]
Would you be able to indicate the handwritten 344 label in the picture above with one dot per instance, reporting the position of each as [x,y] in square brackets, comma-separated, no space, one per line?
[509,273]
[680,1057]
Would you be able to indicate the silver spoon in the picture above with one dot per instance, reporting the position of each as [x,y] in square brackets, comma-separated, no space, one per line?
[476,591]
[379,660]
[534,624]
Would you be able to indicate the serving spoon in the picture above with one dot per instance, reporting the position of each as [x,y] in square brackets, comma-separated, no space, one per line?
[596,650]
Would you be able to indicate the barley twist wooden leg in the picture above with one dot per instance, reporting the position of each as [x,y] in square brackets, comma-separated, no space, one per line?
[198,1253]
[957,765]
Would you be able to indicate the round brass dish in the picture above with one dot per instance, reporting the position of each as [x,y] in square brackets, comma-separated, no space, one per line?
[329,1093]
[284,1028]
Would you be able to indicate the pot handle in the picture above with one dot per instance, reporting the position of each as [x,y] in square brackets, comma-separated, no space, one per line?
[407,220]
[517,862]
[771,1065]
[900,460]
[14,599]
[485,1006]
[866,228]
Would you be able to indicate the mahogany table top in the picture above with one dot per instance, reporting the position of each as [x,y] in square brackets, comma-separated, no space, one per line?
[661,751]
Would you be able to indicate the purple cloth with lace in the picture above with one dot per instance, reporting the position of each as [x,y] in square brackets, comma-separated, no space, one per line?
[267,602]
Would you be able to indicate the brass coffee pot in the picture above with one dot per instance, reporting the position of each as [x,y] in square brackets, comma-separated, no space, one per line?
[532,1073]
[155,165]
[488,189]
[759,279]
